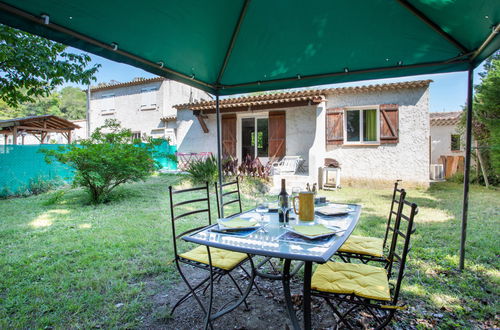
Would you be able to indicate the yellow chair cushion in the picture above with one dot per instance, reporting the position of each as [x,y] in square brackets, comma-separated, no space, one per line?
[370,246]
[345,278]
[223,259]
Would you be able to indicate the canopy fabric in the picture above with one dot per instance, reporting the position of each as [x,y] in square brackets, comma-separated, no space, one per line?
[238,46]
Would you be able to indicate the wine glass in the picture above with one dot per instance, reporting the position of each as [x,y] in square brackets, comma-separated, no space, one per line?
[261,207]
[295,193]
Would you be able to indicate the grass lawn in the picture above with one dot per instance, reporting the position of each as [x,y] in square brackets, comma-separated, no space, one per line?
[69,265]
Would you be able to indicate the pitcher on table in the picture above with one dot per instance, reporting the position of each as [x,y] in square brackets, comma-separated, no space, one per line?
[306,206]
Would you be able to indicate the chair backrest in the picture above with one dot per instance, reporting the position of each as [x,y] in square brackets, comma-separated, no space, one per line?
[185,202]
[400,244]
[395,201]
[233,190]
[289,163]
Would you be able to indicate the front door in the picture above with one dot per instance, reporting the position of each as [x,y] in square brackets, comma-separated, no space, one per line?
[254,138]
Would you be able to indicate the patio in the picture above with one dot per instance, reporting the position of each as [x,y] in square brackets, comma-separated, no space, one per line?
[110,260]
[233,47]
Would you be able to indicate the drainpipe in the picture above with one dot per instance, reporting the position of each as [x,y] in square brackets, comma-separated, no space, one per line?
[88,111]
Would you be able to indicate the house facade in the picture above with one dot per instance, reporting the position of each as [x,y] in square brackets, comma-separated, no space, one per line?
[143,105]
[446,138]
[376,132]
[447,144]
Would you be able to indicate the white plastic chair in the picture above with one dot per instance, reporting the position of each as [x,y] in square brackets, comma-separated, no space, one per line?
[287,165]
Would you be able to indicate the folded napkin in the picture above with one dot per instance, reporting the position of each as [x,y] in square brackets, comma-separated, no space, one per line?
[238,223]
[313,230]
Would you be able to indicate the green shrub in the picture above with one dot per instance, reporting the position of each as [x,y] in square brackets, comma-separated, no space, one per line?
[54,198]
[107,159]
[41,184]
[201,171]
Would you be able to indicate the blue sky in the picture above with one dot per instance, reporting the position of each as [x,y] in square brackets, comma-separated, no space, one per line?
[448,92]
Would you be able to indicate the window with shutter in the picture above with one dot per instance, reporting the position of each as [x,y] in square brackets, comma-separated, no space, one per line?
[389,123]
[277,134]
[334,126]
[148,98]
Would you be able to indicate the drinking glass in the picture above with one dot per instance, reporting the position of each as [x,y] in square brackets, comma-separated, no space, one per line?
[261,207]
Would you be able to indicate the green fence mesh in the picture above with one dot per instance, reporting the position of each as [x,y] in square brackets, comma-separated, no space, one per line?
[21,163]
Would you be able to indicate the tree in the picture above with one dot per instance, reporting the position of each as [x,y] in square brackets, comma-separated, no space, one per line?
[73,103]
[107,159]
[486,120]
[32,66]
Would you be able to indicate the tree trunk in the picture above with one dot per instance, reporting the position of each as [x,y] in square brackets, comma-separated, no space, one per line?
[480,159]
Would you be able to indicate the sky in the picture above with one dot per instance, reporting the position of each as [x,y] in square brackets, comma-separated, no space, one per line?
[448,92]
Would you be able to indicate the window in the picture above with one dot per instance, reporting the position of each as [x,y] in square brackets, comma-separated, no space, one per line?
[136,135]
[361,126]
[455,142]
[148,98]
[107,103]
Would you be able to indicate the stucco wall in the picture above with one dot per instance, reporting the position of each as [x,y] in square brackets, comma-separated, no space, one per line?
[190,135]
[407,160]
[128,110]
[300,126]
[441,142]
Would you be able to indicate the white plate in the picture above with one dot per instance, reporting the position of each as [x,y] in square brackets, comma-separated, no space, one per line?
[335,231]
[331,210]
[220,223]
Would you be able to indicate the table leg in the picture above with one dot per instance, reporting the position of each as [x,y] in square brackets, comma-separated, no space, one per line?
[307,295]
[288,297]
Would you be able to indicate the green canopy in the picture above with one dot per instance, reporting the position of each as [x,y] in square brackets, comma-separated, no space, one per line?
[236,46]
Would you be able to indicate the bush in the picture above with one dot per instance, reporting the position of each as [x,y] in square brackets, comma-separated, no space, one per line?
[201,171]
[107,159]
[41,184]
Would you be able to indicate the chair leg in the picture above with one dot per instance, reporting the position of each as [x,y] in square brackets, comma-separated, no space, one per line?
[191,290]
[239,289]
[254,284]
[340,315]
[188,295]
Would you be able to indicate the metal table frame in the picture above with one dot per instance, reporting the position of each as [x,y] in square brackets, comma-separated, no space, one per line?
[307,259]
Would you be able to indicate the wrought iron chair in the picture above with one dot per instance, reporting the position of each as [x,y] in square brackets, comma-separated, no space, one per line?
[263,262]
[221,203]
[217,262]
[368,249]
[361,286]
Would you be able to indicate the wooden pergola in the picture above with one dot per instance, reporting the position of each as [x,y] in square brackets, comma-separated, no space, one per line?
[38,126]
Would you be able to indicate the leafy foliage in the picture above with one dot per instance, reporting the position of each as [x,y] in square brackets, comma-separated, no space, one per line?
[254,168]
[107,159]
[250,167]
[69,103]
[203,170]
[32,66]
[486,117]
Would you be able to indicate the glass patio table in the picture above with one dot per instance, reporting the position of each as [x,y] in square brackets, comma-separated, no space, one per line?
[274,240]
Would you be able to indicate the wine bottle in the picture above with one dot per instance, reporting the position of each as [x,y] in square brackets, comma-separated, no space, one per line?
[283,196]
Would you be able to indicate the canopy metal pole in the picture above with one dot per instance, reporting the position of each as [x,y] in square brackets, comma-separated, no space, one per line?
[468,144]
[219,153]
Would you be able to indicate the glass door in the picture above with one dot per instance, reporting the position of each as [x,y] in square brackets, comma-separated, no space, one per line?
[254,138]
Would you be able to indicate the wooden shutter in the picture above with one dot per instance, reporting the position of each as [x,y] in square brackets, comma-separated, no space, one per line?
[335,126]
[277,134]
[389,123]
[228,135]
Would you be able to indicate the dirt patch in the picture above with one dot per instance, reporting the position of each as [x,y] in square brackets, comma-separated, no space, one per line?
[266,310]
